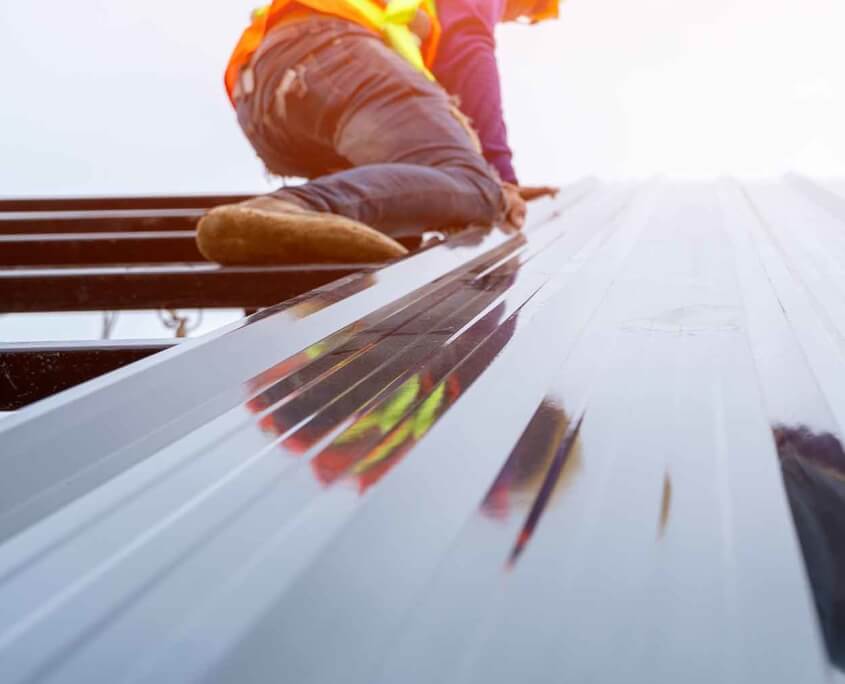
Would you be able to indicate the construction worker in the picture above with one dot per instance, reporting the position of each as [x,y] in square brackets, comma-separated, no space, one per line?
[355,95]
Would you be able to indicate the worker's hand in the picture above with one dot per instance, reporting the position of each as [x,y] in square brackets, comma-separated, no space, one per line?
[532,192]
[513,214]
[516,196]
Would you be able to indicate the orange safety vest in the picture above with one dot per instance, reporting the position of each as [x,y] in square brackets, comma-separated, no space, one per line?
[389,19]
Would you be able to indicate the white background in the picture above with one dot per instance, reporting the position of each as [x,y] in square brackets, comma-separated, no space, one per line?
[125,96]
[119,96]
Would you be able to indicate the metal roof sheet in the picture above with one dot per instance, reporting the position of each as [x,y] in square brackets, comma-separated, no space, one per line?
[593,451]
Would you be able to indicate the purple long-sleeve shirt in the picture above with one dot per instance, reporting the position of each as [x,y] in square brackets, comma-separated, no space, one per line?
[466,67]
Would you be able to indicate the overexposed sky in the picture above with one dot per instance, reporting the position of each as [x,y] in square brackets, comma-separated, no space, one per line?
[113,96]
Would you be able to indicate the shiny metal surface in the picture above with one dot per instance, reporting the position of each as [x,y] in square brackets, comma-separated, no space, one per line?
[607,449]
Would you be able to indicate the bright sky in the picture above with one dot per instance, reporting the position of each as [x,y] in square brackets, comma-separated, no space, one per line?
[120,97]
[113,96]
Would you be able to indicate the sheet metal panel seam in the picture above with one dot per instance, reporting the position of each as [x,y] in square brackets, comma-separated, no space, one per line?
[815,332]
[180,378]
[342,492]
[505,409]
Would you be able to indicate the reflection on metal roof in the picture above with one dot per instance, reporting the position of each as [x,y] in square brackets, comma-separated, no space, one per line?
[591,452]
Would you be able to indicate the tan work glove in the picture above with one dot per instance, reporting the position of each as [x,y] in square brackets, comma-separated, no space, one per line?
[516,197]
[532,192]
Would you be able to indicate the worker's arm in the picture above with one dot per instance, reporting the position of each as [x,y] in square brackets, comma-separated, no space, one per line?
[466,67]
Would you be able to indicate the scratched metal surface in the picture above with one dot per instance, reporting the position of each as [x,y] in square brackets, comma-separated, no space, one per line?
[608,450]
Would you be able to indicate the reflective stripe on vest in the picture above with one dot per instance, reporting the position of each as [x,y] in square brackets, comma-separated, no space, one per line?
[391,22]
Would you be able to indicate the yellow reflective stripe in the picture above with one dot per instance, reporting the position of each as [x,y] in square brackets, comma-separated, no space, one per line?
[259,12]
[425,415]
[386,418]
[316,350]
[371,11]
[405,42]
[392,22]
[401,11]
[397,407]
[415,426]
[383,450]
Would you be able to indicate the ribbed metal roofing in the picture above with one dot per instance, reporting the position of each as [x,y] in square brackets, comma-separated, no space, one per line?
[592,452]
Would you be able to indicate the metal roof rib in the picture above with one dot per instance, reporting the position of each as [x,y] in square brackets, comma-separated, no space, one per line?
[607,448]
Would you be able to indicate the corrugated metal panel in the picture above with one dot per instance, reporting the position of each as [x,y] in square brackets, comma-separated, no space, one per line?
[558,456]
